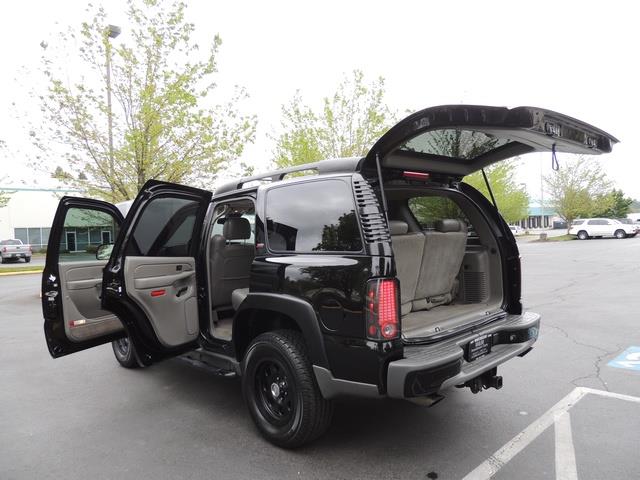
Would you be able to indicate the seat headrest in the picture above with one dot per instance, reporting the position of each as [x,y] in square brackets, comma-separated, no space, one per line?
[398,227]
[236,228]
[450,225]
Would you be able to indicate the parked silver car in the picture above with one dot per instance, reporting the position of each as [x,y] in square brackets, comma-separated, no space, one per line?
[14,249]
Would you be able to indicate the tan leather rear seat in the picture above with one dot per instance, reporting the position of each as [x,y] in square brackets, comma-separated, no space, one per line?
[407,250]
[441,261]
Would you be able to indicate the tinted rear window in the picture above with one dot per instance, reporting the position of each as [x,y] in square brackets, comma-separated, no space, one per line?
[577,222]
[463,144]
[313,217]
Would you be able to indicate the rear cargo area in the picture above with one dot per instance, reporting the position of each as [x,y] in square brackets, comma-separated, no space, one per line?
[447,260]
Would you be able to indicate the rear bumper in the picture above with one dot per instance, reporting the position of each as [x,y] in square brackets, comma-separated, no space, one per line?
[16,254]
[427,369]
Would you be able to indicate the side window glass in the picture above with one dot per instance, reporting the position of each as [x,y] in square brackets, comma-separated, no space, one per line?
[243,209]
[164,229]
[84,231]
[428,210]
[313,217]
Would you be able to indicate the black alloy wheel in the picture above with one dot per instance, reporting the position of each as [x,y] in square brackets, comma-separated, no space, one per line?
[281,392]
[125,352]
[276,394]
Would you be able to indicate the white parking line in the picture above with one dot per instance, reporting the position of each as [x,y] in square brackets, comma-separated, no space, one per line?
[495,462]
[565,453]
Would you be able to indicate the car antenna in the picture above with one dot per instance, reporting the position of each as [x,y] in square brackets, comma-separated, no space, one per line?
[382,195]
[486,181]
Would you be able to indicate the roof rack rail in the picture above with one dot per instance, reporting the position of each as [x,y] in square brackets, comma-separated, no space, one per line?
[323,166]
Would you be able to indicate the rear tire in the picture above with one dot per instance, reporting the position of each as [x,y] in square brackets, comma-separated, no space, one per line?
[125,353]
[281,392]
[620,234]
[27,259]
[582,235]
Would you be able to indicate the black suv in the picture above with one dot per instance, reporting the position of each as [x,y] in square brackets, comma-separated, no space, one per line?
[378,276]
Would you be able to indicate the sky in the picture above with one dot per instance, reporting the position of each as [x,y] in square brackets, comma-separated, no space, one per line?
[579,58]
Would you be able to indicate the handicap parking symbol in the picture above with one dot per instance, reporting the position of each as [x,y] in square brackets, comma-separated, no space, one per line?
[629,359]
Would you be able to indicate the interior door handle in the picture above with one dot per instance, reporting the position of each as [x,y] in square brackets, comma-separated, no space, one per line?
[182,291]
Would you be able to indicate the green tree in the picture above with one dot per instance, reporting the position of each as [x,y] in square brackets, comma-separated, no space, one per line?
[618,205]
[578,189]
[166,124]
[351,120]
[4,199]
[511,197]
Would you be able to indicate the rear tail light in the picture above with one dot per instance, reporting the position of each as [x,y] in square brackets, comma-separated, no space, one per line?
[382,309]
[4,249]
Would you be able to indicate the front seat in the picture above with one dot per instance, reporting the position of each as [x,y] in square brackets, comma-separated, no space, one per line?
[441,261]
[230,263]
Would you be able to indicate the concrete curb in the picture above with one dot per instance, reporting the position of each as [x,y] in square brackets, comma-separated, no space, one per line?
[25,272]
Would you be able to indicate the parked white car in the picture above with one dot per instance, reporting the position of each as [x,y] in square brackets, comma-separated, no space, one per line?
[601,227]
[516,230]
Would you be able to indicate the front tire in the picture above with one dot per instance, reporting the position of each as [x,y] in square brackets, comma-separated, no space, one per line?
[582,235]
[27,259]
[125,353]
[281,392]
[620,234]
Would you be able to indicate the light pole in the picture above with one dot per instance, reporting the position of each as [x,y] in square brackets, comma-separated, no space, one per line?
[112,32]
[541,194]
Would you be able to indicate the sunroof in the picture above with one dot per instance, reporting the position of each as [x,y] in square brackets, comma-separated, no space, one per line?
[463,144]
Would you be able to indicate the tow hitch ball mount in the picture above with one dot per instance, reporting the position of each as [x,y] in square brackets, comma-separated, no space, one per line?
[487,380]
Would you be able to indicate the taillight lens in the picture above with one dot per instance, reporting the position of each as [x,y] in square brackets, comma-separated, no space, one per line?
[381,309]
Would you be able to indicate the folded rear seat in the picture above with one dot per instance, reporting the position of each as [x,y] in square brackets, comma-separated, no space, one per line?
[407,250]
[441,261]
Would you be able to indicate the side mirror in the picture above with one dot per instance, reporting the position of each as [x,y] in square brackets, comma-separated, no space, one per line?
[104,251]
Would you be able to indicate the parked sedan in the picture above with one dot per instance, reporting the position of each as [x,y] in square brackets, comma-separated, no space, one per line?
[601,227]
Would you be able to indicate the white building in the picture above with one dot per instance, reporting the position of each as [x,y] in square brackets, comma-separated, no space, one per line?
[29,213]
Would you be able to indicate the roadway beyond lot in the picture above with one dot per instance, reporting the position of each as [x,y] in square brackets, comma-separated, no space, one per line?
[83,416]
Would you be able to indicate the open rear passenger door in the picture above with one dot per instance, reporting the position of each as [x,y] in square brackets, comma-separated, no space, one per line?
[72,278]
[152,278]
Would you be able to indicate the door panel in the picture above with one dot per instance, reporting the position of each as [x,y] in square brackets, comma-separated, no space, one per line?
[157,270]
[74,318]
[165,289]
[84,318]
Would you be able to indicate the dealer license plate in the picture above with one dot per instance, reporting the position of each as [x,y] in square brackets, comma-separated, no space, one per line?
[478,348]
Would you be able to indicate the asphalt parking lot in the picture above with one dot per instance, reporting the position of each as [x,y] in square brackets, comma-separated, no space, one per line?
[563,411]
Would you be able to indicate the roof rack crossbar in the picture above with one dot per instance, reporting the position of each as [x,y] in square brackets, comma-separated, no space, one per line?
[323,166]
